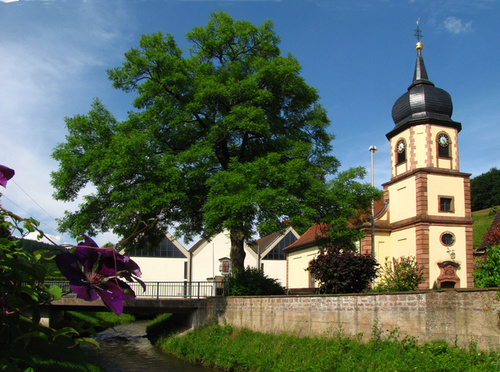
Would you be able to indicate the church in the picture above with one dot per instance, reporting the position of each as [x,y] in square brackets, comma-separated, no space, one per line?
[427,203]
[426,207]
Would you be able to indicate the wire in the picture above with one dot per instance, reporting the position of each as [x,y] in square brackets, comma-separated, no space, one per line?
[30,214]
[34,201]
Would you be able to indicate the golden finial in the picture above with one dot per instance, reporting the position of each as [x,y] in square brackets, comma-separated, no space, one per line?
[418,35]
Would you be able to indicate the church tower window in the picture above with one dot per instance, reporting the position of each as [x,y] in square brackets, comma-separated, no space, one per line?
[443,141]
[446,204]
[401,151]
[447,239]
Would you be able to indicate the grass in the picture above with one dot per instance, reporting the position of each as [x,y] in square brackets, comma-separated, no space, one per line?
[482,221]
[104,319]
[158,322]
[243,350]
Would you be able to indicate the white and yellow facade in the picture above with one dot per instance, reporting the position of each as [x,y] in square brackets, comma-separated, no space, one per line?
[428,212]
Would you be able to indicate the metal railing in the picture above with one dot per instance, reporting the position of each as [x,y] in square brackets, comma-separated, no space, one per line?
[164,289]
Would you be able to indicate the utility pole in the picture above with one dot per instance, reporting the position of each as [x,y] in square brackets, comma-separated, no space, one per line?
[373,150]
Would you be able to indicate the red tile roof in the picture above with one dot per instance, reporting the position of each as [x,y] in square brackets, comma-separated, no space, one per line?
[197,245]
[319,231]
[310,238]
[260,245]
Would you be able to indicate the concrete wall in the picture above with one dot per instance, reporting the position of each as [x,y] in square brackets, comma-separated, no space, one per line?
[452,315]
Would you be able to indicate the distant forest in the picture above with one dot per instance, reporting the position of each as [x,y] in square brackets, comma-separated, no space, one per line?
[32,245]
[485,190]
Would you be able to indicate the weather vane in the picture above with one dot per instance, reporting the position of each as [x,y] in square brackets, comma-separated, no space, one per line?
[418,33]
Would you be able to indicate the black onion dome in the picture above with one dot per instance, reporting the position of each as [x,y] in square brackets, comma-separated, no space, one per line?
[422,101]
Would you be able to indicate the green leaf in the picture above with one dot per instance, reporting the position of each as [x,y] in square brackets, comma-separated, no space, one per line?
[55,291]
[88,341]
[64,331]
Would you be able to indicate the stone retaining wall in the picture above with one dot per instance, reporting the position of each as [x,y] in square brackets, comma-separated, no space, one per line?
[456,315]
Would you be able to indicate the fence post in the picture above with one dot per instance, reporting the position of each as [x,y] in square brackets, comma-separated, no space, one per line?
[157,290]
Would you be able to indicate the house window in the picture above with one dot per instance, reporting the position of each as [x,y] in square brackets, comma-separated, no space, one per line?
[311,281]
[401,151]
[447,238]
[185,270]
[446,204]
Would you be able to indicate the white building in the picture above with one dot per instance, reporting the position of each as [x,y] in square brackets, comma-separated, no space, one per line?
[170,262]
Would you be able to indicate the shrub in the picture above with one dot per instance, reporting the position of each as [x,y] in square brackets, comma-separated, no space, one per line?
[399,275]
[253,282]
[493,235]
[342,270]
[487,272]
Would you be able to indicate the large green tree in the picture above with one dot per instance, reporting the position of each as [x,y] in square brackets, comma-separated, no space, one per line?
[226,136]
[485,190]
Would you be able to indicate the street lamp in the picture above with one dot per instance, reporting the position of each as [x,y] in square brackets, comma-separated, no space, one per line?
[373,150]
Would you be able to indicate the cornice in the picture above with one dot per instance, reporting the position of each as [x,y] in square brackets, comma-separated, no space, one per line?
[425,120]
[427,170]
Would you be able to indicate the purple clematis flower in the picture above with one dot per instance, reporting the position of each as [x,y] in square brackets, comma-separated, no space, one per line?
[5,175]
[94,272]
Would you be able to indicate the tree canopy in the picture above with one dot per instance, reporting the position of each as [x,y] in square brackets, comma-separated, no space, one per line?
[485,190]
[227,136]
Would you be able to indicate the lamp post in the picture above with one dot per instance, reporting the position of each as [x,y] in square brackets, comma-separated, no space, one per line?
[373,150]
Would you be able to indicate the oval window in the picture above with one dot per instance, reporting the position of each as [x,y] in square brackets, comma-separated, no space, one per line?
[447,238]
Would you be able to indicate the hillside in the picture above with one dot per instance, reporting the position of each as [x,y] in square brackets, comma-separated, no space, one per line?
[482,221]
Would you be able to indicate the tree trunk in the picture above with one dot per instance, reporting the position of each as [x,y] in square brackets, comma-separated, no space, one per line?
[237,250]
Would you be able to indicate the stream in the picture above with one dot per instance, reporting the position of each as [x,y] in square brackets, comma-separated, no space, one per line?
[124,348]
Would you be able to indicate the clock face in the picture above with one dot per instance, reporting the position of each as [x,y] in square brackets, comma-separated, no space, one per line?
[443,140]
[401,146]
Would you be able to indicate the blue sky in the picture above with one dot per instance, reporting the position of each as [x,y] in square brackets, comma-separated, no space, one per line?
[360,55]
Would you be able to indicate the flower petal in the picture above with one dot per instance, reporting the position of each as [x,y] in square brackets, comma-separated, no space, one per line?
[114,292]
[85,292]
[111,262]
[88,242]
[5,175]
[113,301]
[68,265]
[131,266]
[87,256]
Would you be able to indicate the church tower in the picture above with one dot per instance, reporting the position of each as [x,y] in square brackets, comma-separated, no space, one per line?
[428,209]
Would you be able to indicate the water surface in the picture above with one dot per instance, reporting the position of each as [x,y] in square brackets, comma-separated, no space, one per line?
[125,348]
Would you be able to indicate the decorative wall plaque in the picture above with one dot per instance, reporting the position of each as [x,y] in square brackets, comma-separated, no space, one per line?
[448,277]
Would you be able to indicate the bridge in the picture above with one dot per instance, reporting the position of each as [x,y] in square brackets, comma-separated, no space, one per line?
[163,290]
[188,298]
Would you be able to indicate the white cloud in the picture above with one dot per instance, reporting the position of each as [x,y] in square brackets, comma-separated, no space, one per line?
[457,26]
[8,1]
[45,239]
[47,71]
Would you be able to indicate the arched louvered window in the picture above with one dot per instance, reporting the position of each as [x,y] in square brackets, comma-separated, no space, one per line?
[443,144]
[401,151]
